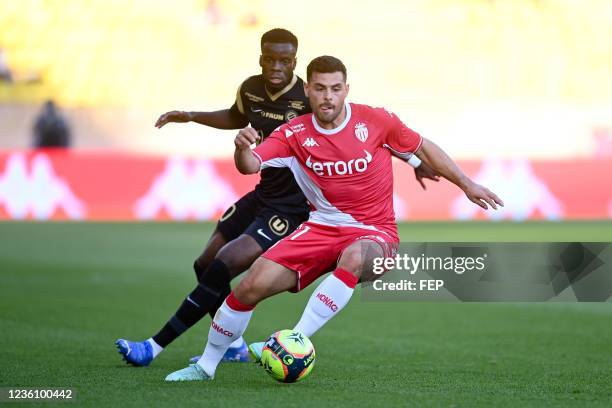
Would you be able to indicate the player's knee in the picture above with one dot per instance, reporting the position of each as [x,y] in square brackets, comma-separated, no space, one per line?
[252,289]
[357,258]
[247,292]
[352,261]
[215,276]
[230,260]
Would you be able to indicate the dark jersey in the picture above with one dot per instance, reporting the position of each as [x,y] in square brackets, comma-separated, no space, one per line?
[265,112]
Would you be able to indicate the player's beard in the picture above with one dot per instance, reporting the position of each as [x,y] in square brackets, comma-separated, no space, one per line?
[328,117]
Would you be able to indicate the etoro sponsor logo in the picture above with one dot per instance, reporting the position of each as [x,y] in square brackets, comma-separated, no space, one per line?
[340,167]
[327,301]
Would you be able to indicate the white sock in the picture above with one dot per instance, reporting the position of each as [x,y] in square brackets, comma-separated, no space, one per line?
[156,347]
[237,343]
[230,322]
[326,301]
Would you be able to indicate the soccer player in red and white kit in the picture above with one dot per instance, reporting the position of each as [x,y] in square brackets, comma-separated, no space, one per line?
[341,158]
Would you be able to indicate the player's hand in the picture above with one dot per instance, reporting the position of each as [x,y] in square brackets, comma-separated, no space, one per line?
[245,138]
[425,171]
[172,116]
[482,196]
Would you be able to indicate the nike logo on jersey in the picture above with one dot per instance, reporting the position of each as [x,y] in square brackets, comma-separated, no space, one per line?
[263,234]
[310,142]
[340,167]
[256,110]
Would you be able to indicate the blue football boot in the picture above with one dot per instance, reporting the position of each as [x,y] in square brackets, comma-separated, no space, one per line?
[138,354]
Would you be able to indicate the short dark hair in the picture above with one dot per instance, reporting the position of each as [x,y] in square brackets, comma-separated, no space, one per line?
[279,36]
[325,64]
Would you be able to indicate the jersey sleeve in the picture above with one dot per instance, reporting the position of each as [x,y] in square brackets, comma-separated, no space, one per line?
[400,139]
[237,108]
[275,150]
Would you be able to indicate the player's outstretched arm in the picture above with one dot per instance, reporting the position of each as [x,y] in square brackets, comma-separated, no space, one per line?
[437,158]
[222,119]
[245,160]
[421,170]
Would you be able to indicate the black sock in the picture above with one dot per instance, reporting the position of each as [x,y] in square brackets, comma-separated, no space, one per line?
[225,293]
[209,294]
[199,270]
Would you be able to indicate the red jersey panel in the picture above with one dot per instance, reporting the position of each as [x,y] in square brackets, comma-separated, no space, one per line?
[345,172]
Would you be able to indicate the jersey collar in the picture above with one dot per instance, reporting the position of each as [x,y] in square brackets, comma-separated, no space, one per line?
[283,91]
[337,129]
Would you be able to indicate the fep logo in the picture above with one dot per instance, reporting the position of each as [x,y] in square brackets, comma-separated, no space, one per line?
[39,192]
[522,191]
[186,189]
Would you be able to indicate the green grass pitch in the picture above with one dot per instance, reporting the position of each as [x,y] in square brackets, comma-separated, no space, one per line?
[68,290]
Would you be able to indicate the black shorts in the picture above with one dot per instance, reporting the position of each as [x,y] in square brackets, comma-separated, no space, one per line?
[265,223]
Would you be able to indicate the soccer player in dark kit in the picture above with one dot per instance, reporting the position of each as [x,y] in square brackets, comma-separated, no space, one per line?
[260,218]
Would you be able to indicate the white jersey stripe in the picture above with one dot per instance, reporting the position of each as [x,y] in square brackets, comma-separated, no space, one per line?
[278,162]
[258,156]
[325,213]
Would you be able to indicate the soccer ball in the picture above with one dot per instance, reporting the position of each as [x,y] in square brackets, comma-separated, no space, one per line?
[288,356]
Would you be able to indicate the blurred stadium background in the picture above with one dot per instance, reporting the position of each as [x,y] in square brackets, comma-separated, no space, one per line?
[535,70]
[518,91]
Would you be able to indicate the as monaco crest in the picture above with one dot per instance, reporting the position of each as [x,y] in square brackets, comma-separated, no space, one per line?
[361,132]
